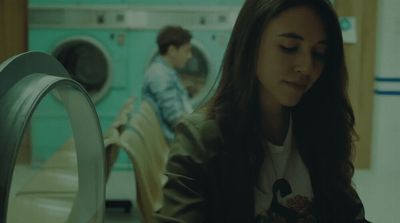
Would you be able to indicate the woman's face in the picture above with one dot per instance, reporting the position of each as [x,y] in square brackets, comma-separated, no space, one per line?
[291,56]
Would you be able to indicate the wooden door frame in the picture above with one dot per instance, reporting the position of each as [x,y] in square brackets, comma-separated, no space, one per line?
[13,40]
[361,60]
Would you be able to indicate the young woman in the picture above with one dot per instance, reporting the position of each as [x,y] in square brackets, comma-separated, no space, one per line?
[275,142]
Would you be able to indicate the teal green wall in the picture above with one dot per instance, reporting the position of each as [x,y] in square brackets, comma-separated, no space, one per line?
[185,2]
[140,2]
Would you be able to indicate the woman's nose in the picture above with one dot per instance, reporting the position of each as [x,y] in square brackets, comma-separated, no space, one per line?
[304,64]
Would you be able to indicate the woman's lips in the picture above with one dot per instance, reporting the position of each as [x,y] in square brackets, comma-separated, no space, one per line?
[296,85]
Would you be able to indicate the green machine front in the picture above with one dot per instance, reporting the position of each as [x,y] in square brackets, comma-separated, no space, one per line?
[96,57]
[108,45]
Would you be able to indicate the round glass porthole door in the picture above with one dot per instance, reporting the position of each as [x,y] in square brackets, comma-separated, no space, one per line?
[195,76]
[87,64]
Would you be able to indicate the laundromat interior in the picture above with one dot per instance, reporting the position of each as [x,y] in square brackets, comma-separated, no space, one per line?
[107,45]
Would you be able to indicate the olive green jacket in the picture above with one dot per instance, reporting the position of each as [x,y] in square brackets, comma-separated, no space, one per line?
[206,183]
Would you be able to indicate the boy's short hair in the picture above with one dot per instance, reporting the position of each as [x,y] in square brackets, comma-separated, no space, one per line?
[172,35]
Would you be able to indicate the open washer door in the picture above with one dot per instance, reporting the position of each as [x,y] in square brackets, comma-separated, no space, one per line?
[24,80]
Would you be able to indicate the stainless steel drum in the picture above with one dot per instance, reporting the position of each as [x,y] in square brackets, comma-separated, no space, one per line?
[24,80]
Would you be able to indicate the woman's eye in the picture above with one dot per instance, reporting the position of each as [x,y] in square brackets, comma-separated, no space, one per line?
[288,49]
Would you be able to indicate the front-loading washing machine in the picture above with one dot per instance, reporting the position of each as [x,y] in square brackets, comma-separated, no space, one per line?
[92,45]
[210,29]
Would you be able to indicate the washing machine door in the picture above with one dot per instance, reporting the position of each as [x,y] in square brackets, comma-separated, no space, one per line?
[88,63]
[194,75]
[24,82]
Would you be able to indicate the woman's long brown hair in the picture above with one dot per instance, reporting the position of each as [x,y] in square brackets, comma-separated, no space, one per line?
[323,120]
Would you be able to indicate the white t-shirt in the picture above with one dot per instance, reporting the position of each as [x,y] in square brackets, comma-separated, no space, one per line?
[283,167]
